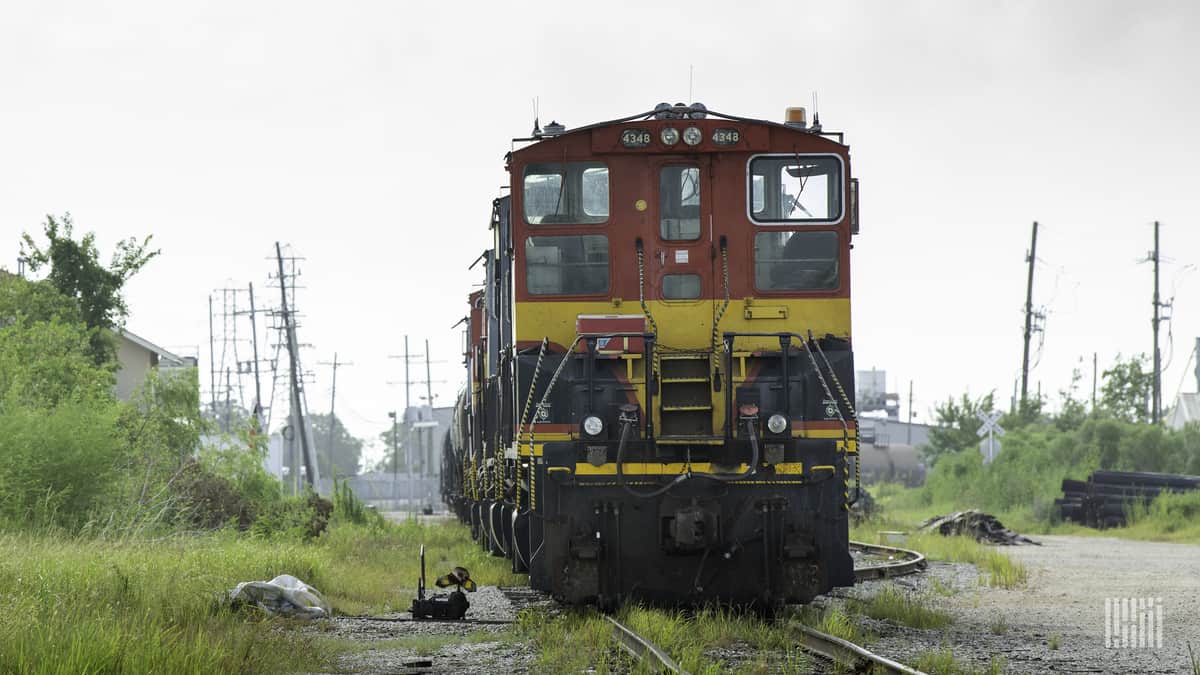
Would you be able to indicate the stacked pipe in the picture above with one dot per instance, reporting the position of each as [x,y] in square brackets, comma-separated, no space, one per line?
[1104,499]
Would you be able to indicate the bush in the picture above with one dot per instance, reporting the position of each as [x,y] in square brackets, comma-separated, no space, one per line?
[349,508]
[209,501]
[45,364]
[1169,512]
[298,517]
[58,464]
[1026,477]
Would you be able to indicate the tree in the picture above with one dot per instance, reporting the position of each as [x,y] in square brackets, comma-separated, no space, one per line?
[393,456]
[347,450]
[1125,393]
[957,423]
[24,303]
[76,271]
[47,364]
[1072,412]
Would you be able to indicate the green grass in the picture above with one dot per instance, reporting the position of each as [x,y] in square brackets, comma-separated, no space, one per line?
[999,626]
[1055,641]
[137,606]
[942,662]
[581,640]
[905,609]
[577,640]
[422,645]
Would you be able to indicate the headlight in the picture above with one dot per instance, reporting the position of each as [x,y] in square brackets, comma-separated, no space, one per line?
[776,423]
[692,136]
[669,136]
[592,425]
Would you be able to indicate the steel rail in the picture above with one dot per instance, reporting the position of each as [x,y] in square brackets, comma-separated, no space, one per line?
[912,562]
[849,655]
[846,654]
[643,650]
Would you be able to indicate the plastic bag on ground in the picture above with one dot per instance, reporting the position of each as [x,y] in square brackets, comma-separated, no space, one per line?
[285,595]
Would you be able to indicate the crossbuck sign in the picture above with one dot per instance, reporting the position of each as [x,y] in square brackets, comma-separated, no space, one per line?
[989,432]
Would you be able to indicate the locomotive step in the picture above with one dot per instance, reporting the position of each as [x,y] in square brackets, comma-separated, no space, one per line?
[674,380]
[683,408]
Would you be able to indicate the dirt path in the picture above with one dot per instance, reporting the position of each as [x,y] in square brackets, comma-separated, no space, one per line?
[1056,623]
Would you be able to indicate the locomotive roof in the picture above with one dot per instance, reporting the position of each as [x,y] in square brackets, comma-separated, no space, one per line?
[681,113]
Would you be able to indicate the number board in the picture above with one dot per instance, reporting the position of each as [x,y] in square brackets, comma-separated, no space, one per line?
[726,136]
[635,138]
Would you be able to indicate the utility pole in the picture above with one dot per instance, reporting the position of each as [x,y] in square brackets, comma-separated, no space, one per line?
[1156,395]
[1196,372]
[297,398]
[1094,370]
[1028,317]
[423,438]
[408,426]
[212,360]
[332,400]
[407,379]
[427,449]
[395,453]
[910,412]
[258,407]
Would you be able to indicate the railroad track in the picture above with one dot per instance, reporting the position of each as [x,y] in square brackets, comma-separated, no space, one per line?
[892,561]
[846,655]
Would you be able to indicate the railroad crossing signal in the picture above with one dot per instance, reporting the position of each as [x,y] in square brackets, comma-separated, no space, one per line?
[991,429]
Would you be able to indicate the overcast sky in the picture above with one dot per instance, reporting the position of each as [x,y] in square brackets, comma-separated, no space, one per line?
[370,136]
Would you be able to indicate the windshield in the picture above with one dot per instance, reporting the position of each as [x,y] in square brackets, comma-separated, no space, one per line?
[566,193]
[795,188]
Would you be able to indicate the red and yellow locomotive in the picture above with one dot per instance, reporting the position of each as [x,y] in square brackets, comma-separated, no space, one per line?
[660,378]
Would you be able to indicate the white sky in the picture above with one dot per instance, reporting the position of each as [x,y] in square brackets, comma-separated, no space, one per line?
[370,135]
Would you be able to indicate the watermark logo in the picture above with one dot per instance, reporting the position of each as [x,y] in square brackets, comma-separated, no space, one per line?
[1133,623]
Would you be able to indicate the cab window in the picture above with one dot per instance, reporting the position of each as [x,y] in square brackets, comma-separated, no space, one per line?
[796,261]
[795,188]
[680,286]
[565,193]
[679,202]
[567,265]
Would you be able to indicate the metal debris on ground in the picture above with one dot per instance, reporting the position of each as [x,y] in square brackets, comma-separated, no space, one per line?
[285,595]
[984,527]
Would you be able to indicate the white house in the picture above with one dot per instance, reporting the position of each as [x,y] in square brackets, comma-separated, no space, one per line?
[136,356]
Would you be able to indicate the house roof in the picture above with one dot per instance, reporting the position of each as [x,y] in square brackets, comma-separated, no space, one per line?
[142,342]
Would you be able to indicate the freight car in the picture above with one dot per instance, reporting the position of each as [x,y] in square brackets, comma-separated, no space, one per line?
[659,372]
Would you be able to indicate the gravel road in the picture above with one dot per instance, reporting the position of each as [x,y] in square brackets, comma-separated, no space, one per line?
[1056,623]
